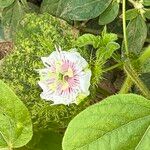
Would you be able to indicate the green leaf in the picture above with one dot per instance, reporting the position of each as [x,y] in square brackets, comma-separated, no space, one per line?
[111,47]
[76,9]
[104,53]
[147,13]
[145,77]
[143,144]
[145,67]
[109,14]
[145,60]
[15,121]
[136,35]
[5,3]
[1,31]
[50,6]
[119,122]
[12,15]
[146,2]
[131,14]
[108,37]
[87,39]
[145,55]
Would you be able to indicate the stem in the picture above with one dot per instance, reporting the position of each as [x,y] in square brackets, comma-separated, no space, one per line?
[135,78]
[126,85]
[113,67]
[117,57]
[124,26]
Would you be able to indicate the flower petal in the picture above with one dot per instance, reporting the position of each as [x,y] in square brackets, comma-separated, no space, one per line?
[74,68]
[77,59]
[85,82]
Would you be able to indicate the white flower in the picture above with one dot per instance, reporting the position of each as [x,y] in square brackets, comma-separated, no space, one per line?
[65,78]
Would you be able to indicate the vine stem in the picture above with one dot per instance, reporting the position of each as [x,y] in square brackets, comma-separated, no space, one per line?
[124,26]
[132,75]
[126,85]
[113,67]
[135,78]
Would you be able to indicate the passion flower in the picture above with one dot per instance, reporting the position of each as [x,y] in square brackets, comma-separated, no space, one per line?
[65,78]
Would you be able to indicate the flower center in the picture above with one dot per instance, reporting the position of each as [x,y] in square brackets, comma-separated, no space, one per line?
[64,78]
[60,76]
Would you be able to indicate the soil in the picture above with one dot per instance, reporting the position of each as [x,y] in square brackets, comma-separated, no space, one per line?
[5,48]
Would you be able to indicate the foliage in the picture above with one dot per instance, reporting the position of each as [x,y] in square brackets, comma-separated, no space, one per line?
[122,120]
[15,126]
[105,46]
[110,13]
[12,12]
[127,24]
[76,9]
[37,38]
[136,36]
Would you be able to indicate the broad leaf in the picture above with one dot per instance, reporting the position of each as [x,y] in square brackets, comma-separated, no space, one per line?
[76,9]
[145,60]
[119,122]
[145,68]
[109,14]
[146,2]
[12,15]
[131,14]
[15,121]
[147,13]
[50,6]
[136,35]
[5,3]
[145,77]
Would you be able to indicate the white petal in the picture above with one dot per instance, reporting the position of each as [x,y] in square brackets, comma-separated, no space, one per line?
[54,56]
[75,57]
[66,98]
[46,61]
[43,86]
[47,95]
[85,82]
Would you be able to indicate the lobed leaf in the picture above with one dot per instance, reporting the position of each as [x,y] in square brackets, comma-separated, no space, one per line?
[88,39]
